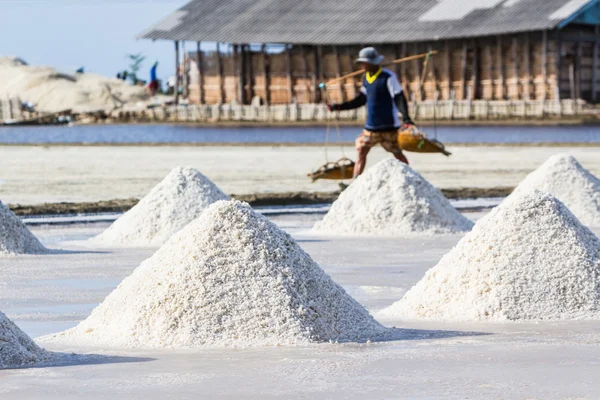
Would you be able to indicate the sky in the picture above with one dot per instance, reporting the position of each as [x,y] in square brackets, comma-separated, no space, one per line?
[96,34]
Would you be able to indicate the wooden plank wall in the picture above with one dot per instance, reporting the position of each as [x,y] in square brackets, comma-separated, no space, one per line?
[523,66]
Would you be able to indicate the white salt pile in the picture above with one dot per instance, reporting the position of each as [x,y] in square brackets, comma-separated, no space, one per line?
[390,199]
[16,348]
[563,177]
[53,91]
[15,238]
[172,204]
[230,278]
[530,258]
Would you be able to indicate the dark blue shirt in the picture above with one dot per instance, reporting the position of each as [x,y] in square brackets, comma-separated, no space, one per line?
[380,90]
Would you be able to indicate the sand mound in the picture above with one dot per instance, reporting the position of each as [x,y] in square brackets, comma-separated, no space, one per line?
[15,238]
[530,258]
[172,204]
[390,199]
[563,177]
[230,278]
[16,348]
[52,91]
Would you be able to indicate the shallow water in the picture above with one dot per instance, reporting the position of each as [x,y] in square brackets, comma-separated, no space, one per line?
[130,134]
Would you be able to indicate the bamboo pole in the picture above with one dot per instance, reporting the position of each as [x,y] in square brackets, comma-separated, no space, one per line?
[401,60]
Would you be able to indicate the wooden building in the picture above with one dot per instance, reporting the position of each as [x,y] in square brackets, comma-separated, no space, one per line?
[281,50]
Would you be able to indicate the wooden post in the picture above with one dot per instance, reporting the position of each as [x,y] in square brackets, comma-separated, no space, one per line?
[184,73]
[526,93]
[544,61]
[500,67]
[515,68]
[595,68]
[338,73]
[474,70]
[265,64]
[288,72]
[403,78]
[176,89]
[558,64]
[238,60]
[578,71]
[249,73]
[463,70]
[222,96]
[318,73]
[200,64]
[308,96]
[417,64]
[447,70]
[431,71]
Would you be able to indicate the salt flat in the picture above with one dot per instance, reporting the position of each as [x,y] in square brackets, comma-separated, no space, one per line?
[49,293]
[38,174]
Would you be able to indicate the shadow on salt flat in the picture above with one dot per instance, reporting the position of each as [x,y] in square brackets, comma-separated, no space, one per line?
[58,360]
[400,334]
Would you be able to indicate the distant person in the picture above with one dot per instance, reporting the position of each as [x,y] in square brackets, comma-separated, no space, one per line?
[382,93]
[119,76]
[125,75]
[153,85]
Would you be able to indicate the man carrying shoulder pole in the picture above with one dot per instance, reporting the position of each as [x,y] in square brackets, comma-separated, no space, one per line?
[382,93]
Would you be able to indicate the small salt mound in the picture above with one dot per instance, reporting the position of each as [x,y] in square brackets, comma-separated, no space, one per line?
[15,238]
[562,176]
[16,348]
[172,204]
[390,199]
[230,278]
[530,258]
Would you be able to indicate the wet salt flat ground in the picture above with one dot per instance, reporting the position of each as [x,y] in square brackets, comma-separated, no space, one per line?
[49,293]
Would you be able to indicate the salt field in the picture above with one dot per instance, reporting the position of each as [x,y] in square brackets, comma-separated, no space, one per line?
[81,173]
[50,293]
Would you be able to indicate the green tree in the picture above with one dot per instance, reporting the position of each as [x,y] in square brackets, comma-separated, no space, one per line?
[135,65]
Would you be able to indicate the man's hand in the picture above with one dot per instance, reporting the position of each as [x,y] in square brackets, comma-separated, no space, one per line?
[408,125]
[333,107]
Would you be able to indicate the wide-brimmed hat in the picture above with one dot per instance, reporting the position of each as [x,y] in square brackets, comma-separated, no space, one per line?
[370,56]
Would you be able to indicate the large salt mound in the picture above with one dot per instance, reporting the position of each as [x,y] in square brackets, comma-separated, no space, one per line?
[563,177]
[390,199]
[51,90]
[172,204]
[15,238]
[530,258]
[230,278]
[16,348]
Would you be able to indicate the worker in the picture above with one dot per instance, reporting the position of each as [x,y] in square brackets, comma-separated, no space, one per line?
[382,94]
[153,85]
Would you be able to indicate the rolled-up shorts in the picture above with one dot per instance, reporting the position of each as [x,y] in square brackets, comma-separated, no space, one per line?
[387,139]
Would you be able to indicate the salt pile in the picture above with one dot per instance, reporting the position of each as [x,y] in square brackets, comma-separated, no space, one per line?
[53,91]
[530,258]
[562,176]
[15,238]
[16,348]
[390,199]
[176,201]
[230,278]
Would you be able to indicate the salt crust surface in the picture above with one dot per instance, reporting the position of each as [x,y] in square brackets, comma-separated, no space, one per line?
[176,201]
[15,238]
[562,176]
[528,259]
[229,278]
[16,348]
[391,199]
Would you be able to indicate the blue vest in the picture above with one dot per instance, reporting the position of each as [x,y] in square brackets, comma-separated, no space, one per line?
[382,113]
